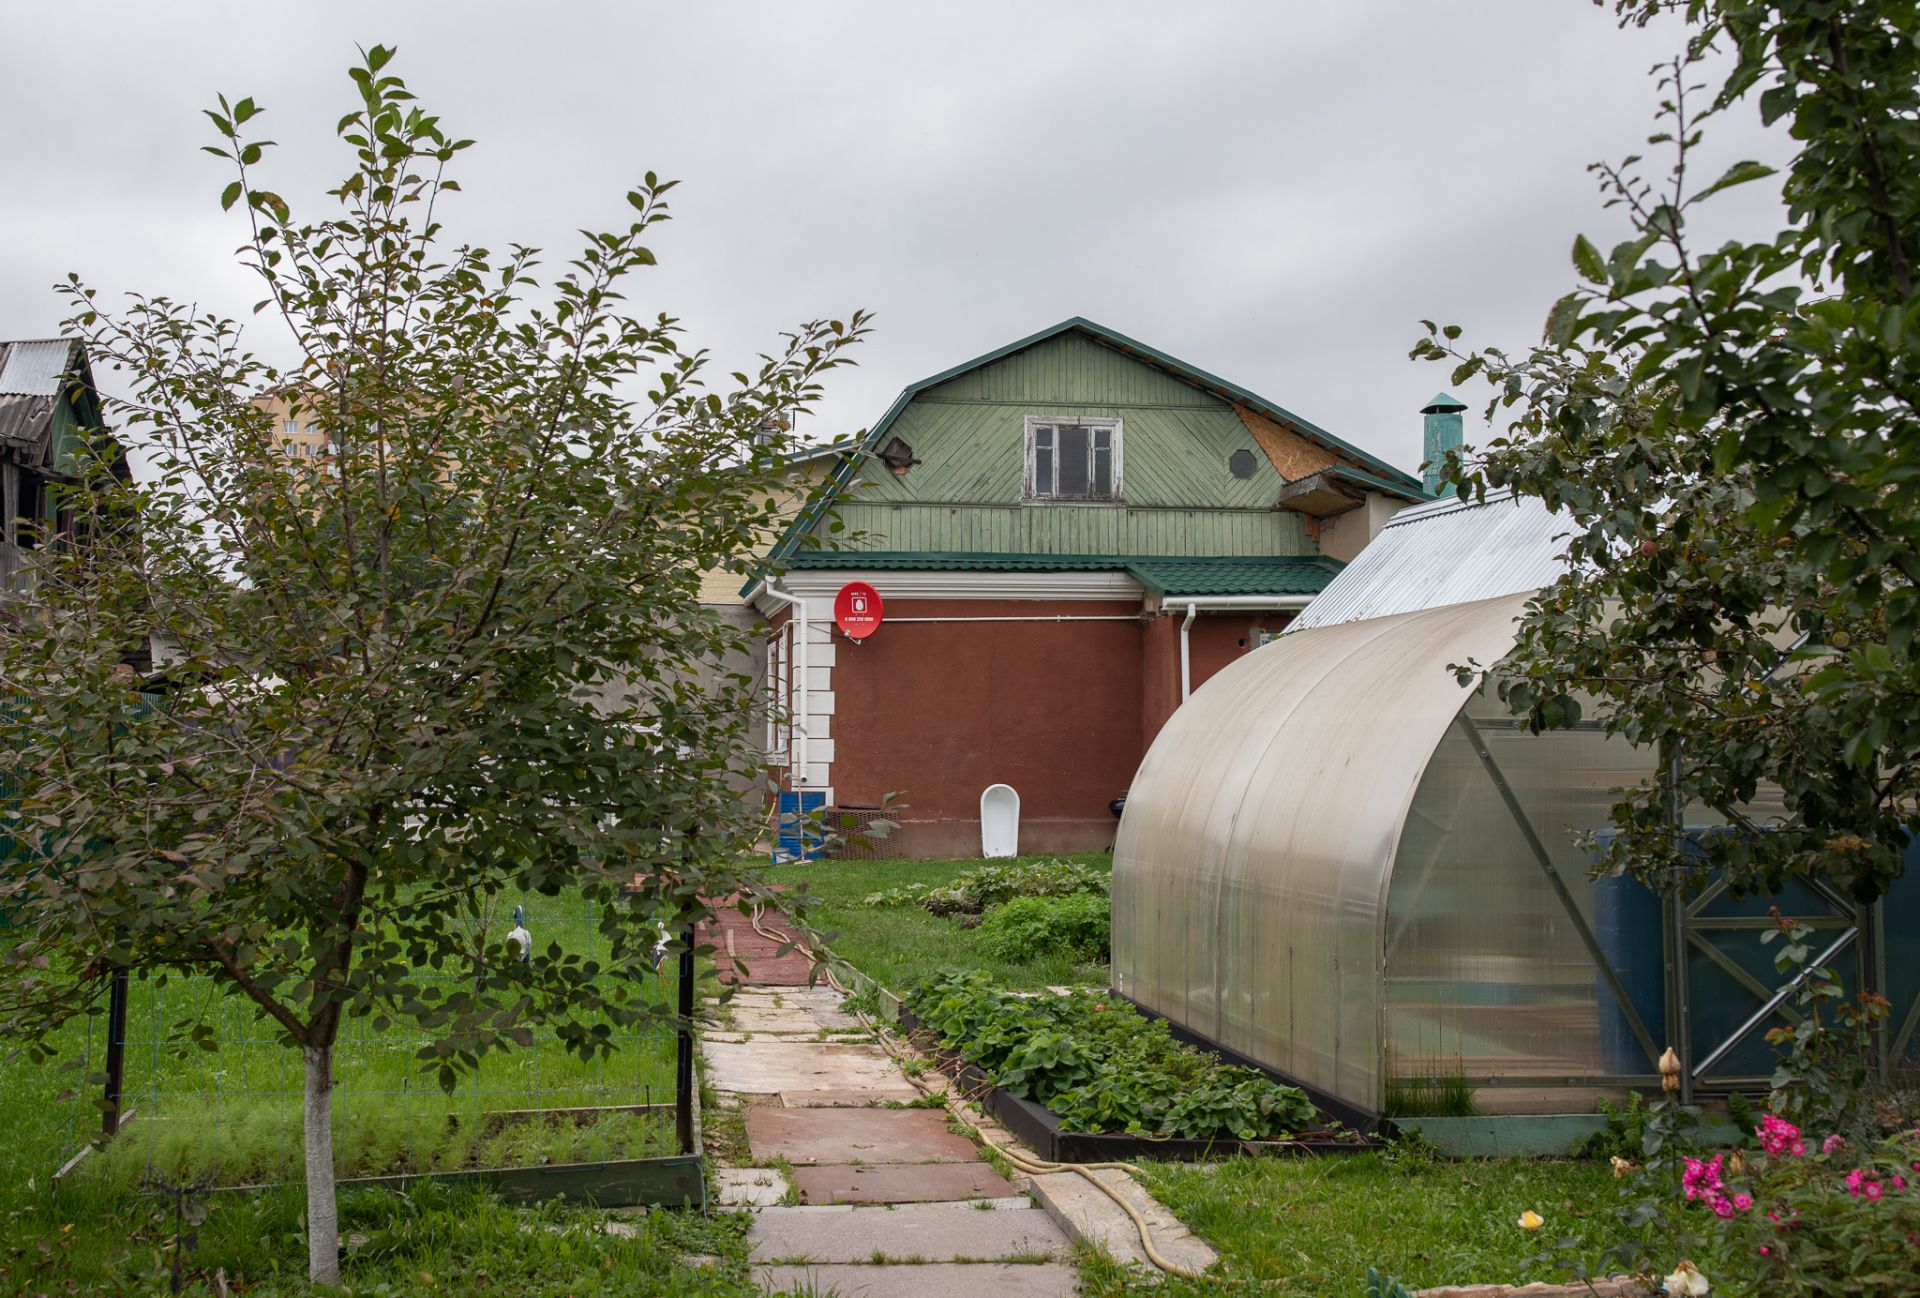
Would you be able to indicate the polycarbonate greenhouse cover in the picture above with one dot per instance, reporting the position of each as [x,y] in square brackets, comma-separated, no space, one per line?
[1251,871]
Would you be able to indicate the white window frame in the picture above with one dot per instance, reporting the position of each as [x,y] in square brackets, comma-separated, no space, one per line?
[1028,492]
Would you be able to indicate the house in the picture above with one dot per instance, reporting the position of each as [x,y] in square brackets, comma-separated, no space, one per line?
[48,405]
[1064,537]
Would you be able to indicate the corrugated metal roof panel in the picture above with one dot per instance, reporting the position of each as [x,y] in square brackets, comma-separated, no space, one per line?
[34,368]
[1448,552]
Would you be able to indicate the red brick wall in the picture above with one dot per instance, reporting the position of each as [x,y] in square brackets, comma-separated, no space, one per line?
[936,712]
[1215,640]
[1063,711]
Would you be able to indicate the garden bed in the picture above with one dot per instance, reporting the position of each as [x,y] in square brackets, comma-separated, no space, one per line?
[1040,1127]
[1082,1079]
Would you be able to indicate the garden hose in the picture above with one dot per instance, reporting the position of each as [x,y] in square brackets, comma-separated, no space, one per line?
[1030,1166]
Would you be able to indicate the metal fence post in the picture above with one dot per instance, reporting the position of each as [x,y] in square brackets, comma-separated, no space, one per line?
[116,1051]
[683,1072]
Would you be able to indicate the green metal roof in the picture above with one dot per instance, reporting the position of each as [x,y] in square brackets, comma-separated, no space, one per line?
[1276,576]
[837,482]
[1442,402]
[1170,576]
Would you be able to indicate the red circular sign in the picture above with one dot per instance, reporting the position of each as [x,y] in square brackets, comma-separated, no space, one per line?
[857,609]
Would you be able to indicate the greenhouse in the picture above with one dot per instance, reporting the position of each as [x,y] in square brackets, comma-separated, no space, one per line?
[1345,867]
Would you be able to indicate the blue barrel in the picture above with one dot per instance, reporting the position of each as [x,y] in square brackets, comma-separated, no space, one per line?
[1627,925]
[802,834]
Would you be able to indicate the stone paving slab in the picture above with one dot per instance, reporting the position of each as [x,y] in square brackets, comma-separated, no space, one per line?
[776,1066]
[809,1136]
[950,1280]
[810,1034]
[899,1183]
[749,1187]
[788,1018]
[1087,1214]
[930,1234]
[845,1099]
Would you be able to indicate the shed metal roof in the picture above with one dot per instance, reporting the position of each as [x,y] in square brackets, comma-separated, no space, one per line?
[33,368]
[1448,552]
[1170,576]
[31,372]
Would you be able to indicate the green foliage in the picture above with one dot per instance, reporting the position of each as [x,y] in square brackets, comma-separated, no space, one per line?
[1104,1067]
[1380,1286]
[1625,1134]
[1830,1205]
[992,884]
[1827,1061]
[1447,1096]
[462,652]
[1025,928]
[1734,435]
[899,945]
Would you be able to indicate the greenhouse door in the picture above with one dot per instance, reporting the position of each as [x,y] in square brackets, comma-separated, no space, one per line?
[1731,995]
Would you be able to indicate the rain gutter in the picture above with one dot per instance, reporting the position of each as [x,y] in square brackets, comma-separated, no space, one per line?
[1211,602]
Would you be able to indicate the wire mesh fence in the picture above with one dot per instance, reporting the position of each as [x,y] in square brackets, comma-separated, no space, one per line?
[233,1115]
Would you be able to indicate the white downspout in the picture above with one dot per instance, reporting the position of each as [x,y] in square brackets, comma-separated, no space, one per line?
[1186,670]
[797,753]
[1226,602]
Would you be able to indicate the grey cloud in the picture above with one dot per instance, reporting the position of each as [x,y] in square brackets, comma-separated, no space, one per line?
[1274,191]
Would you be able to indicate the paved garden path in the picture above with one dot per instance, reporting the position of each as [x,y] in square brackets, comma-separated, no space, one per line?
[869,1198]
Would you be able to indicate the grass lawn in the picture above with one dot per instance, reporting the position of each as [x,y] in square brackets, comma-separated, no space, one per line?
[899,945]
[233,1117]
[1314,1226]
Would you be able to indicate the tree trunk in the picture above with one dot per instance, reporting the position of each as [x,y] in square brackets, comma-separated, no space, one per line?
[323,1210]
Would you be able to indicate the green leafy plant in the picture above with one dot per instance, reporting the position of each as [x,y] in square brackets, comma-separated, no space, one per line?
[1826,1205]
[1025,928]
[1104,1067]
[1732,431]
[1827,1060]
[462,652]
[991,885]
[1381,1286]
[1446,1095]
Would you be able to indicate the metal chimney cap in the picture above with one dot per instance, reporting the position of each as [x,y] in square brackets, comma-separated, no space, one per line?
[1442,404]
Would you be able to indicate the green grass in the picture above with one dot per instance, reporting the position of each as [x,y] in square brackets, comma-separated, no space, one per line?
[234,1115]
[431,1239]
[899,945]
[1314,1226]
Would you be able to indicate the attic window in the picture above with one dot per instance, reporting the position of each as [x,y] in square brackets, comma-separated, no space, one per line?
[1072,459]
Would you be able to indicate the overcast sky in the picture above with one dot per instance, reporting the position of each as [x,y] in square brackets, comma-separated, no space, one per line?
[1276,191]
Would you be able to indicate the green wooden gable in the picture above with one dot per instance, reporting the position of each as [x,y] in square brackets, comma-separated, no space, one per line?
[966,428]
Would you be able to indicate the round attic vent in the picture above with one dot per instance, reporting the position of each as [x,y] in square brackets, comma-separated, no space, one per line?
[1241,464]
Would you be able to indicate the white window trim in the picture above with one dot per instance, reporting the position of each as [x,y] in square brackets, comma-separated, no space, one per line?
[1119,497]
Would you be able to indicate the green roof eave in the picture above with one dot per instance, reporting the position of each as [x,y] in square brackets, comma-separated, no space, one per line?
[836,483]
[1168,576]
